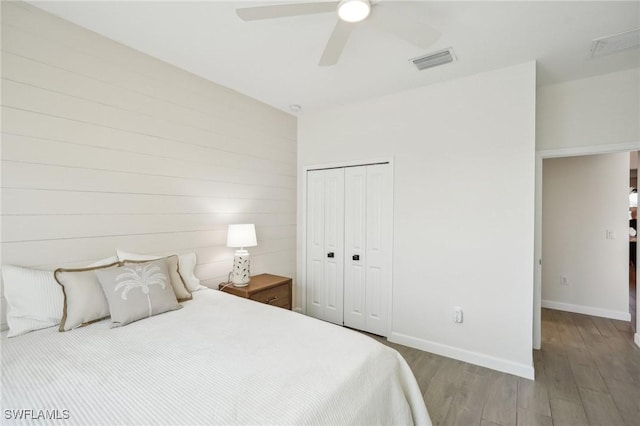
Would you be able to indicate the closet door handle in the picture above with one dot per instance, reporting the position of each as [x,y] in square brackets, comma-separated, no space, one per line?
[330,254]
[355,257]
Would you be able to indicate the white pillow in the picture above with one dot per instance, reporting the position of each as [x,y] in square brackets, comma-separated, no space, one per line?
[186,266]
[34,299]
[102,262]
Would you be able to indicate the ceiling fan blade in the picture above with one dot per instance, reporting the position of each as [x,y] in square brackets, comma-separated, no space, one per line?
[388,19]
[284,10]
[336,43]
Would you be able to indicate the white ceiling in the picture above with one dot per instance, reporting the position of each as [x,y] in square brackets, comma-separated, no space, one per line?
[275,61]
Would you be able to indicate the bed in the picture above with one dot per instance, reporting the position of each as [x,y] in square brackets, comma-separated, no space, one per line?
[220,359]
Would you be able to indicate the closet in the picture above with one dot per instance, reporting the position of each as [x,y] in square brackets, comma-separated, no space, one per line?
[348,246]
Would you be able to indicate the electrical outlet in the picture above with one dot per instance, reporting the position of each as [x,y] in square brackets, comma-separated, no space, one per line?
[564,280]
[457,315]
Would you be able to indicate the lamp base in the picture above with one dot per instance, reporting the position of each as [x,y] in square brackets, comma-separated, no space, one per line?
[240,275]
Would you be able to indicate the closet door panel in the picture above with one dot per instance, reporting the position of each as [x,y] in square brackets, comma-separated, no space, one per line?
[334,245]
[315,244]
[355,246]
[379,240]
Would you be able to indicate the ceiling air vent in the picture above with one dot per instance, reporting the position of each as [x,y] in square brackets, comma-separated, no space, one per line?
[434,59]
[615,43]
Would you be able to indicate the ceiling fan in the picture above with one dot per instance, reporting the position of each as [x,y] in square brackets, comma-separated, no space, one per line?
[350,13]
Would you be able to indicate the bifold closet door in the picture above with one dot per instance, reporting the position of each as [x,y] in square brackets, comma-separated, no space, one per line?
[368,240]
[325,244]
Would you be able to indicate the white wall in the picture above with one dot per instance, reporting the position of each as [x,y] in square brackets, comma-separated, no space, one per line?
[463,208]
[602,110]
[583,197]
[594,115]
[104,147]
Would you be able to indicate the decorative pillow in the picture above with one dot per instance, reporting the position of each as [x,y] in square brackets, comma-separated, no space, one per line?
[34,299]
[84,301]
[137,291]
[186,266]
[177,283]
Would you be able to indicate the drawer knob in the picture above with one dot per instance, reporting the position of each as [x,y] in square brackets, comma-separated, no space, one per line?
[271,299]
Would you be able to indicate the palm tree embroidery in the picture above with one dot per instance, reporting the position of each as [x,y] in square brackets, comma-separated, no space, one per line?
[141,277]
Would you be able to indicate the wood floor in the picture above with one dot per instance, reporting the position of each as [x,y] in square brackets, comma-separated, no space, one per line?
[587,373]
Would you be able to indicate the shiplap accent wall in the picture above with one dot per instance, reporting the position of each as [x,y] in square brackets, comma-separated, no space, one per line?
[104,147]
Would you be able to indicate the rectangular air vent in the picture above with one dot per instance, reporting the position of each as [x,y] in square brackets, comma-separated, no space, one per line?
[611,44]
[434,59]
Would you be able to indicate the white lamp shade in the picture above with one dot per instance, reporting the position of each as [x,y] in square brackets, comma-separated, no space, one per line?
[243,235]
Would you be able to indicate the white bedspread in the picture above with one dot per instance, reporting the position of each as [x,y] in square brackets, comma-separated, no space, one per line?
[219,360]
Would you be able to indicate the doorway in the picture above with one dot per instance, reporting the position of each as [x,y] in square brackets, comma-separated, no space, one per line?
[538,259]
[633,236]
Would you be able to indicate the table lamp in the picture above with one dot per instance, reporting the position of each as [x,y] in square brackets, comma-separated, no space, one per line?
[241,236]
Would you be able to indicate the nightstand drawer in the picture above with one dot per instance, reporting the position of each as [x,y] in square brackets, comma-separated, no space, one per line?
[276,296]
[264,288]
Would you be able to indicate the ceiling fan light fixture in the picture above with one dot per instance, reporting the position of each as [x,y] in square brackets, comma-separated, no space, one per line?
[354,10]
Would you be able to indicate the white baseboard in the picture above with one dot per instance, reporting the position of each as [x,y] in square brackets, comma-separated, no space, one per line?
[587,310]
[636,338]
[499,364]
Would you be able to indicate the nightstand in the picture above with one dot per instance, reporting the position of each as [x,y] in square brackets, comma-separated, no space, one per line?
[264,288]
